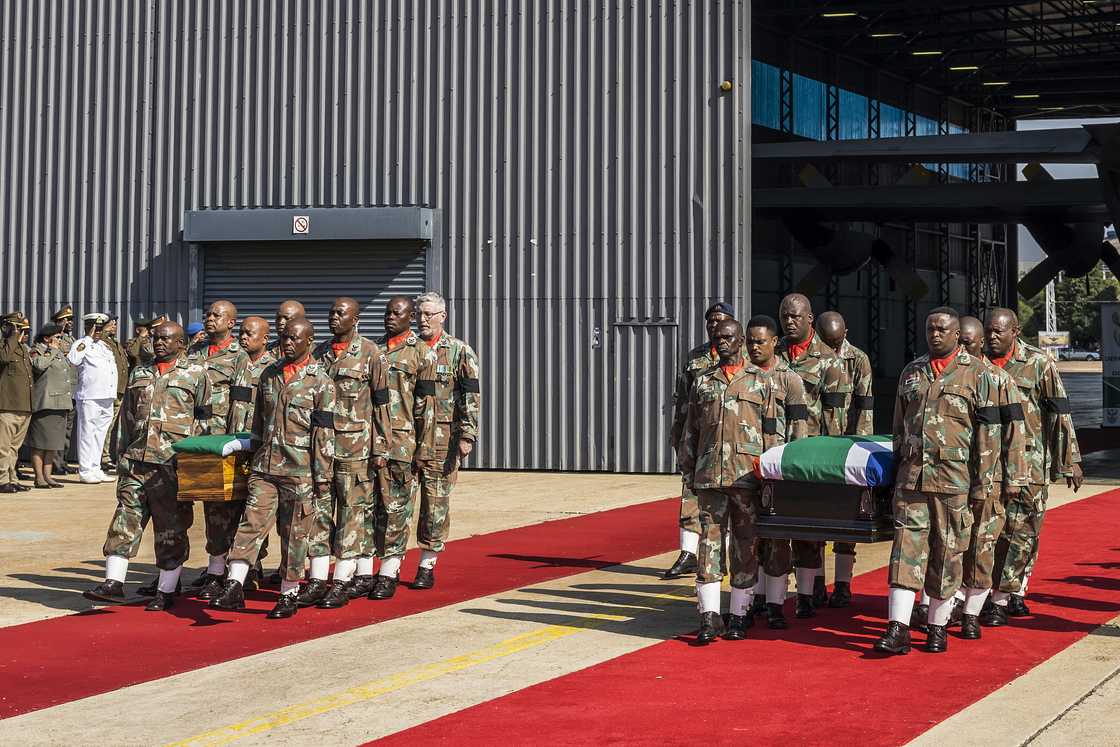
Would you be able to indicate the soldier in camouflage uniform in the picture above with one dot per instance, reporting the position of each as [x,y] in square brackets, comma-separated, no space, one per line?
[1051,450]
[163,404]
[221,357]
[449,433]
[733,409]
[292,468]
[412,384]
[285,312]
[947,435]
[700,358]
[361,431]
[860,422]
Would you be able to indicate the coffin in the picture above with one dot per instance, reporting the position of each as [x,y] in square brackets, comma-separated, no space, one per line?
[209,477]
[819,512]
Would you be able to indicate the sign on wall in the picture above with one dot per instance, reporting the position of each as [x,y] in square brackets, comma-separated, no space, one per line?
[1110,361]
[1053,339]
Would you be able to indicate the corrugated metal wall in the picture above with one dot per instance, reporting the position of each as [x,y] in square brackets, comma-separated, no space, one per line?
[590,171]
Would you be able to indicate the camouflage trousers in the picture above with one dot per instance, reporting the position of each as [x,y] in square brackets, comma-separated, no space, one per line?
[725,510]
[1017,547]
[690,510]
[986,505]
[353,511]
[437,478]
[779,556]
[931,534]
[394,509]
[289,504]
[147,491]
[222,519]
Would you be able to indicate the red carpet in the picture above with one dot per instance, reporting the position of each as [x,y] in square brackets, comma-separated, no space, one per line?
[819,682]
[67,658]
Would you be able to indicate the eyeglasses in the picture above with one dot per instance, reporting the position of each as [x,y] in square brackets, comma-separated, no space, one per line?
[426,315]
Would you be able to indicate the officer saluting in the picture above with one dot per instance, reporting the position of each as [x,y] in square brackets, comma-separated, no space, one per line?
[96,393]
[15,398]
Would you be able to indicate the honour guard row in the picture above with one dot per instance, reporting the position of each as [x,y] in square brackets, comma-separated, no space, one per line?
[982,425]
[344,435]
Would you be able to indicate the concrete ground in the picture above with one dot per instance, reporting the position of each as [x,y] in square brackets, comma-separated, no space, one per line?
[487,646]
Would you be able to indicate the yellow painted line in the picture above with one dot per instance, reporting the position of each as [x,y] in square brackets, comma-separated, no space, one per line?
[416,675]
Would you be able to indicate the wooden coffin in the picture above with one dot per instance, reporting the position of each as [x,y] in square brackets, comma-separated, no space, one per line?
[819,512]
[208,477]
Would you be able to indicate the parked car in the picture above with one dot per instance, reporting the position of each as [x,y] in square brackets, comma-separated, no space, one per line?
[1069,354]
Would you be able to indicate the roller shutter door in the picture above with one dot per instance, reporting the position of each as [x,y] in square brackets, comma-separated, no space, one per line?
[257,277]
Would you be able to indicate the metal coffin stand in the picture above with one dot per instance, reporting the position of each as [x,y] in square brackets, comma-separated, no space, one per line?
[817,512]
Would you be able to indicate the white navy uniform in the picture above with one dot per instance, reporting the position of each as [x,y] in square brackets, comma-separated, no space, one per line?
[95,394]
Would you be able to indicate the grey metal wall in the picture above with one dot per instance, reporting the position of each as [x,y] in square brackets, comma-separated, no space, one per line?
[593,177]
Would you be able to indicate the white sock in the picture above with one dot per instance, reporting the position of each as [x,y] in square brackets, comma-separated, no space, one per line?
[1022,587]
[169,579]
[960,594]
[690,541]
[740,600]
[289,587]
[707,596]
[1000,598]
[760,585]
[390,567]
[428,559]
[845,565]
[344,569]
[974,600]
[805,579]
[925,598]
[776,589]
[365,566]
[116,568]
[217,565]
[939,610]
[320,567]
[238,570]
[901,605]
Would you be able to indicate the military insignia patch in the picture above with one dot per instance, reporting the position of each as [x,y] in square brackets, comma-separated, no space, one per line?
[81,346]
[443,369]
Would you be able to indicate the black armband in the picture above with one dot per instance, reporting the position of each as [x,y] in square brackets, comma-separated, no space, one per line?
[1057,405]
[469,385]
[1011,412]
[203,412]
[834,400]
[988,415]
[797,412]
[863,402]
[240,394]
[426,388]
[380,396]
[322,419]
[770,426]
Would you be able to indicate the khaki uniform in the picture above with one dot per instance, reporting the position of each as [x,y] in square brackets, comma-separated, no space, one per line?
[1051,452]
[292,467]
[728,423]
[65,342]
[121,358]
[452,417]
[156,412]
[947,435]
[699,359]
[412,383]
[361,432]
[139,351]
[15,403]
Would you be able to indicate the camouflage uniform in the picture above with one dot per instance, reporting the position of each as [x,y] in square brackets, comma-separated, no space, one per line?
[361,432]
[861,408]
[700,359]
[292,467]
[728,423]
[157,411]
[947,436]
[221,368]
[1051,451]
[412,374]
[242,402]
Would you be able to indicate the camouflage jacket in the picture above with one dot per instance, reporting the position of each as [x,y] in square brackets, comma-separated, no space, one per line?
[293,423]
[826,386]
[159,410]
[222,369]
[453,411]
[861,408]
[243,391]
[947,429]
[729,423]
[1051,439]
[139,351]
[700,359]
[361,414]
[1010,417]
[412,374]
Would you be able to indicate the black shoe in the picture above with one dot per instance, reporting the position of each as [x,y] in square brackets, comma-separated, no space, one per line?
[995,617]
[232,596]
[685,565]
[9,487]
[360,586]
[109,469]
[205,578]
[149,590]
[1017,607]
[62,469]
[820,592]
[254,578]
[937,640]
[17,488]
[425,578]
[313,592]
[737,627]
[211,590]
[383,588]
[804,607]
[896,640]
[106,591]
[286,606]
[919,618]
[955,613]
[758,605]
[970,627]
[775,618]
[337,596]
[841,595]
[24,476]
[711,627]
[160,602]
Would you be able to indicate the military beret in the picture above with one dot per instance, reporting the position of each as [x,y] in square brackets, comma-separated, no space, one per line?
[66,312]
[194,328]
[721,307]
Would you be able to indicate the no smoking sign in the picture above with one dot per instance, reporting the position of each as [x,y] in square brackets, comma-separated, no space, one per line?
[301,224]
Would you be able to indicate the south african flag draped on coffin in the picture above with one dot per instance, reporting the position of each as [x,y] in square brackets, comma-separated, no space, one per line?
[867,461]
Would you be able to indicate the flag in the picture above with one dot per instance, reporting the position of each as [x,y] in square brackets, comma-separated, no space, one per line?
[218,445]
[867,461]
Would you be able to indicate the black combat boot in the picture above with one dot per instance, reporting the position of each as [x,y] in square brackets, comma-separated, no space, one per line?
[286,606]
[896,640]
[804,607]
[337,596]
[820,592]
[360,586]
[106,591]
[160,602]
[383,588]
[232,596]
[711,627]
[919,618]
[149,590]
[313,592]
[204,578]
[1017,606]
[775,618]
[758,605]
[994,616]
[841,595]
[212,589]
[425,578]
[685,565]
[737,627]
[970,627]
[937,640]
